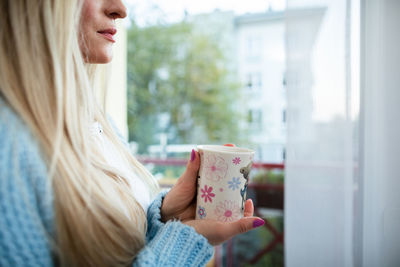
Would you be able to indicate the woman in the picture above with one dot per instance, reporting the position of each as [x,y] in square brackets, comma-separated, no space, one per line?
[70,192]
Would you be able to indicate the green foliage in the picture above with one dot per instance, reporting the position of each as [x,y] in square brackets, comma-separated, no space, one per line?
[268,176]
[174,70]
[169,172]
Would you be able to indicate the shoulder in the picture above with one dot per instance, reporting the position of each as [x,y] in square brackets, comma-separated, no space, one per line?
[12,129]
[25,195]
[23,171]
[20,154]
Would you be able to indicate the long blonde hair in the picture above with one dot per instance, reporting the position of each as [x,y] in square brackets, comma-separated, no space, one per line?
[45,80]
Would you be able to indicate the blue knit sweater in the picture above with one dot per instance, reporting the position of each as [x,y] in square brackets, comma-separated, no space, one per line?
[26,210]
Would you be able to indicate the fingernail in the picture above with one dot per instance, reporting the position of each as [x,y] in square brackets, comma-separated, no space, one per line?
[193,155]
[258,223]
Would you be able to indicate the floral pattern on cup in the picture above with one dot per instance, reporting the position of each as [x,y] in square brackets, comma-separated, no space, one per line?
[215,168]
[207,193]
[234,183]
[227,211]
[236,160]
[202,212]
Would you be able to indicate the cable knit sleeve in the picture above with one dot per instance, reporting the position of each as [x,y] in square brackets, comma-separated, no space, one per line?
[172,243]
[154,216]
[25,202]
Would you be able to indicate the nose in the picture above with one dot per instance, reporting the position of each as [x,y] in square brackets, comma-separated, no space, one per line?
[116,9]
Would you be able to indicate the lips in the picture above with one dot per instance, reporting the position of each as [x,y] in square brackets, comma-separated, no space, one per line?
[108,34]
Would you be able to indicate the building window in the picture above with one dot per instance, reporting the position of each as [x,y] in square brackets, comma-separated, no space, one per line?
[284,81]
[284,116]
[253,48]
[255,118]
[257,81]
[254,81]
[249,83]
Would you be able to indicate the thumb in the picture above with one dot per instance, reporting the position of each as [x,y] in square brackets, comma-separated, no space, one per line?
[243,225]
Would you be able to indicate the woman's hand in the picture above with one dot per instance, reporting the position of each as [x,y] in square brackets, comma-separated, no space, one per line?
[180,203]
[218,232]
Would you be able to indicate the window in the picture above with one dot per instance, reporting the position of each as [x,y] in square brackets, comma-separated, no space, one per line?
[249,84]
[284,82]
[186,76]
[255,118]
[254,47]
[254,81]
[284,116]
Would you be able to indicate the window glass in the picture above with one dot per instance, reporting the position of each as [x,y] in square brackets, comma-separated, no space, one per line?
[211,73]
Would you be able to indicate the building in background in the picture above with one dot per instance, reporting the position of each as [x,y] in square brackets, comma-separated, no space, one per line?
[255,45]
[260,59]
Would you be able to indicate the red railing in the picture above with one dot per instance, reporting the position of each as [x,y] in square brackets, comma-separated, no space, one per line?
[163,162]
[183,162]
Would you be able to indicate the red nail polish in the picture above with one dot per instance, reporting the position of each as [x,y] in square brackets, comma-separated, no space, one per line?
[258,223]
[193,155]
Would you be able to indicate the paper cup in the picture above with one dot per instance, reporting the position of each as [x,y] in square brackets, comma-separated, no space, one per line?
[222,182]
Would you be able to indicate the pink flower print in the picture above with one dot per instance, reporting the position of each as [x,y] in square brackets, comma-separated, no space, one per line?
[207,193]
[236,160]
[215,168]
[227,211]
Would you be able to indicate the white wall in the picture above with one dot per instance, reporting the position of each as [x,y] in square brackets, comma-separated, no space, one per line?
[380,132]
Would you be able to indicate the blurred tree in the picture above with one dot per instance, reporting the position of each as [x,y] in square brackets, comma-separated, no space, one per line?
[178,84]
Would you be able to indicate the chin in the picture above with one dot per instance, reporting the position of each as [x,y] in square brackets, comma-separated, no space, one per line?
[102,60]
[100,57]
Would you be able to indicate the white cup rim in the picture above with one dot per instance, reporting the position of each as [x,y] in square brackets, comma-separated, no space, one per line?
[225,149]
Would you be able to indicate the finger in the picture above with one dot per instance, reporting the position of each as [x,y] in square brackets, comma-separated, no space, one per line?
[248,208]
[192,168]
[243,225]
[218,232]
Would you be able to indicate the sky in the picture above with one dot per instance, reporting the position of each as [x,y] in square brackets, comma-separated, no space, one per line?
[174,10]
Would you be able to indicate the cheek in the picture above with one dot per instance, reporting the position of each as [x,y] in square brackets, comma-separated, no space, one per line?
[94,48]
[88,9]
[87,16]
[85,26]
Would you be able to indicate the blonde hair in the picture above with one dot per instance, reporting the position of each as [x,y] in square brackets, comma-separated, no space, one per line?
[44,78]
